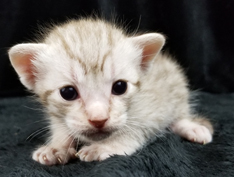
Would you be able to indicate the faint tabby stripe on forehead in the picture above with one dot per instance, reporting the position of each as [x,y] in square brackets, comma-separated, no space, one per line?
[83,65]
[104,59]
[110,45]
[65,45]
[109,37]
[69,52]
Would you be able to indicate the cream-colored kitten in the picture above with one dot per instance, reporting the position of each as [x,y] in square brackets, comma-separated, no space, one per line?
[111,91]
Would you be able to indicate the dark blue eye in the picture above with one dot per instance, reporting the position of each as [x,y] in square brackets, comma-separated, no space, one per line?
[69,93]
[119,87]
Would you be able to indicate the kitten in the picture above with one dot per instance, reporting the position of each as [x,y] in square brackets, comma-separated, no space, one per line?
[107,89]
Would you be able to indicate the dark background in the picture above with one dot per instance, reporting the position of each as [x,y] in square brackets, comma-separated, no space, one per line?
[200,33]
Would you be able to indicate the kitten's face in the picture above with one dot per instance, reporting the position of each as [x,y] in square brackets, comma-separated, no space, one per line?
[77,92]
[85,73]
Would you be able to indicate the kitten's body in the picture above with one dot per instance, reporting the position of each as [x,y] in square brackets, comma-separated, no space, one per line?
[91,56]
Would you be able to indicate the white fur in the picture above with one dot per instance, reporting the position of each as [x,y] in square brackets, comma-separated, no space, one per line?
[156,97]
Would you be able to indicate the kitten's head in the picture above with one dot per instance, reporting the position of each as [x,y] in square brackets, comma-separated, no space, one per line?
[85,73]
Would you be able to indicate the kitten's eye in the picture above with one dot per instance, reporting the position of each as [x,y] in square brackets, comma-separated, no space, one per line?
[119,87]
[69,93]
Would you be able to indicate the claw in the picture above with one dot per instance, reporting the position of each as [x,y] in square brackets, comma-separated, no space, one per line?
[83,156]
[44,158]
[204,142]
[77,155]
[60,161]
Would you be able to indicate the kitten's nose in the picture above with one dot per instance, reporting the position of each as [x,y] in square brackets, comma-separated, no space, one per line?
[98,123]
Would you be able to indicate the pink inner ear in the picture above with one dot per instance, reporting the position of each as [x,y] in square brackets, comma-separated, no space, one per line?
[149,51]
[25,68]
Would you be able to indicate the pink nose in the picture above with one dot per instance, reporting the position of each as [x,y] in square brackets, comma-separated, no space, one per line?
[98,123]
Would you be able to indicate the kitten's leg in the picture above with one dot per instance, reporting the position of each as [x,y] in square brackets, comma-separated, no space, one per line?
[59,150]
[118,145]
[196,130]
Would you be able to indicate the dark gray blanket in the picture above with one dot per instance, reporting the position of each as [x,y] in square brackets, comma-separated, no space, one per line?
[165,156]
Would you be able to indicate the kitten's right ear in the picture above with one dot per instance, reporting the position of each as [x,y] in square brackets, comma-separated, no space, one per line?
[21,57]
[151,44]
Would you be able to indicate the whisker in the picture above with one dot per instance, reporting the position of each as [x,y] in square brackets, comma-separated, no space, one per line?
[35,109]
[138,26]
[133,132]
[70,136]
[136,124]
[37,132]
[38,121]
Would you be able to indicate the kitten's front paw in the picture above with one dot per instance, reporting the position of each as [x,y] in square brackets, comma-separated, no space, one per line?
[96,152]
[47,155]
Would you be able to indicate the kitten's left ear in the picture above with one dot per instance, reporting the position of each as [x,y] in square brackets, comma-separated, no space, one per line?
[151,45]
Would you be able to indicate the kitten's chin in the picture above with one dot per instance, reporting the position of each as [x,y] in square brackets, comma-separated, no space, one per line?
[97,135]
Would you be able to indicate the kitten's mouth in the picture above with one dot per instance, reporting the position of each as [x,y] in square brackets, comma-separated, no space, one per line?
[97,135]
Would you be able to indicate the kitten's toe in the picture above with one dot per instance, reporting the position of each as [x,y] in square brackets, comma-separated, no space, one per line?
[95,153]
[199,134]
[44,155]
[50,156]
[104,156]
[64,155]
[88,154]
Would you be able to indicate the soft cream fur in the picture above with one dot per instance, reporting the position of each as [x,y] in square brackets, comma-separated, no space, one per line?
[91,55]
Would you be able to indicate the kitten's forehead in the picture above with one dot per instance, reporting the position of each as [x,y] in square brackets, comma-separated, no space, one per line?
[89,42]
[97,47]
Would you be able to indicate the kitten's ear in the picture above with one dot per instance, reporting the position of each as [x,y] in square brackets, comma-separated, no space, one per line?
[151,44]
[21,57]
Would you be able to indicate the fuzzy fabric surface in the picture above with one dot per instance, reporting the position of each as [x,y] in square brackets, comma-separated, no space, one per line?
[165,156]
